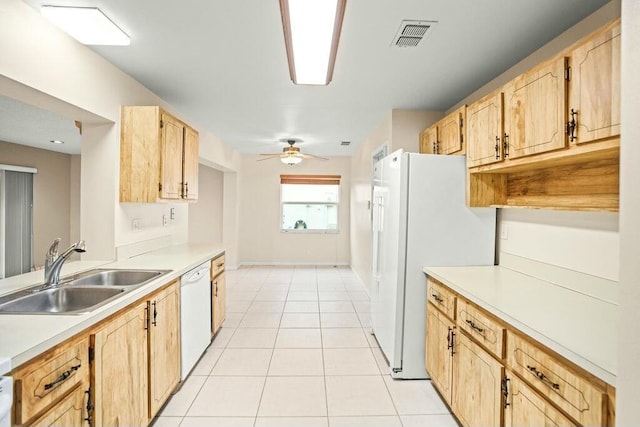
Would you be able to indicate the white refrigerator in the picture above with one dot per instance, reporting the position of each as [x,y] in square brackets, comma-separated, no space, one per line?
[420,218]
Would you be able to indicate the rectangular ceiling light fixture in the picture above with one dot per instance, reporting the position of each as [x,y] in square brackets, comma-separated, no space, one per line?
[311,34]
[88,25]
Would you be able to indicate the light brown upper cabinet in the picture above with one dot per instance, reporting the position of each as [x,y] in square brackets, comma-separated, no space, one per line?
[561,128]
[535,105]
[428,140]
[485,130]
[158,157]
[594,102]
[446,136]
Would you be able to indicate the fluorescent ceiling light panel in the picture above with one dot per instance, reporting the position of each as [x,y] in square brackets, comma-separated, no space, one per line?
[88,25]
[312,30]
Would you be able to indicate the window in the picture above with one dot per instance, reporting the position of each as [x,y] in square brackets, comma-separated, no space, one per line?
[309,203]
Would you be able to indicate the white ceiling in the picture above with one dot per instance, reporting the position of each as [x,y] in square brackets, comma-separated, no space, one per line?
[223,63]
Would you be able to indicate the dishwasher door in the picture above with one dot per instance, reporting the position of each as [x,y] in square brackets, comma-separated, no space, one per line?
[195,316]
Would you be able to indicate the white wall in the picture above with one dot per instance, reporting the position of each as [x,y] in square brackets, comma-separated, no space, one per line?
[628,391]
[205,216]
[400,129]
[581,241]
[42,66]
[261,240]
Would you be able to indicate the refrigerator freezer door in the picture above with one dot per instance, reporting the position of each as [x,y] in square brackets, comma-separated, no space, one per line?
[384,295]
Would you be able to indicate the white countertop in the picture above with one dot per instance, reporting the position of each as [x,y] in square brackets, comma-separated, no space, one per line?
[23,337]
[580,327]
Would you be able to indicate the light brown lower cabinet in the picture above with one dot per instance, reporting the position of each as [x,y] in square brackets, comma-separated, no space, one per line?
[440,335]
[70,412]
[526,408]
[218,294]
[164,346]
[137,361]
[476,384]
[119,370]
[514,381]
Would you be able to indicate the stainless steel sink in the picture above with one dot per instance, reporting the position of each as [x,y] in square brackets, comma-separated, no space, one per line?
[69,300]
[77,294]
[125,278]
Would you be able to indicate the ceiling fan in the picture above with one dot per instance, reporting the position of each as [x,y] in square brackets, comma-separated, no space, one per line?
[291,155]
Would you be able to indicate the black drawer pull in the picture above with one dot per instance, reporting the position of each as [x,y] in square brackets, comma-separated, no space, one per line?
[437,298]
[542,377]
[62,378]
[474,327]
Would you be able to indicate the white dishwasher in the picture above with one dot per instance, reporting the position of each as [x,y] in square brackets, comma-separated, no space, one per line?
[195,316]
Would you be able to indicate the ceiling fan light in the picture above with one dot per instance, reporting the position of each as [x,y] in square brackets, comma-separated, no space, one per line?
[312,31]
[291,160]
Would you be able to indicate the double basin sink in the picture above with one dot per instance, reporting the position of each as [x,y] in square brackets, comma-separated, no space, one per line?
[77,294]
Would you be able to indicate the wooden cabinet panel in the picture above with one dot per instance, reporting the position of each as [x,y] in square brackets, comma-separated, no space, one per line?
[139,154]
[218,293]
[171,170]
[441,297]
[119,371]
[572,391]
[485,130]
[164,346]
[429,140]
[476,384]
[595,85]
[451,132]
[43,381]
[217,266]
[481,327]
[69,412]
[190,164]
[526,408]
[158,157]
[535,108]
[438,343]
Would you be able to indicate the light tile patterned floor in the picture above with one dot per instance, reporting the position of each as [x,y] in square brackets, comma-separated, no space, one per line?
[296,351]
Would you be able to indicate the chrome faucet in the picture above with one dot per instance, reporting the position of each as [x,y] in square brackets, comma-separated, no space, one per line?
[53,262]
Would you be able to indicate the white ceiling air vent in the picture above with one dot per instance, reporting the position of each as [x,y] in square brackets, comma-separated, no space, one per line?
[411,33]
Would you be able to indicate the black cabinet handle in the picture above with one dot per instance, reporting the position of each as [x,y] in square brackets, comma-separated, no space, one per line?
[542,377]
[89,408]
[506,145]
[155,314]
[62,378]
[497,148]
[474,326]
[437,298]
[505,391]
[571,126]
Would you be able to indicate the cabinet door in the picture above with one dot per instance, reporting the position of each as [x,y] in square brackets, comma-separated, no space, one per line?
[476,384]
[484,130]
[190,164]
[525,408]
[69,412]
[219,304]
[440,332]
[429,140]
[119,371]
[595,86]
[535,110]
[171,162]
[164,346]
[450,132]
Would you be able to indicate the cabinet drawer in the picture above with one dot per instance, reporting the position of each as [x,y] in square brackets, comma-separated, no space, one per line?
[217,266]
[481,327]
[572,391]
[441,297]
[46,379]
